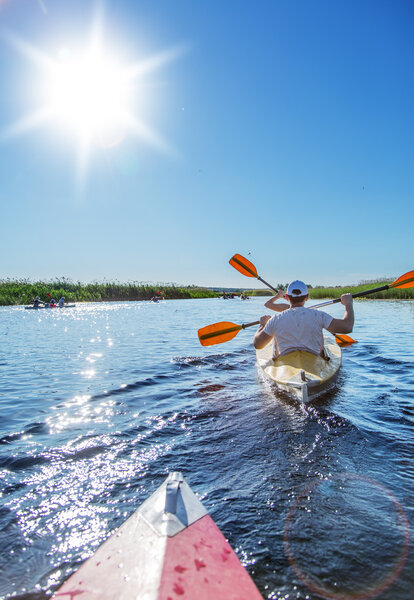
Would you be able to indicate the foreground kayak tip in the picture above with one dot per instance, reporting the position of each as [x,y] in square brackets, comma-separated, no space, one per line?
[169,549]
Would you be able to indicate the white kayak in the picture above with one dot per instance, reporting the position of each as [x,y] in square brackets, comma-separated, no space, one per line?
[170,548]
[301,374]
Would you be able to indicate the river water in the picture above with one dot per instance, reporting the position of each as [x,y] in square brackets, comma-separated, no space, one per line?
[99,402]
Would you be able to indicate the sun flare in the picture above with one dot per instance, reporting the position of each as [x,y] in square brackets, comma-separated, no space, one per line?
[90,95]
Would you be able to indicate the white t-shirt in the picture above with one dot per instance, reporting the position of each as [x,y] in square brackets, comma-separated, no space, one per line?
[298,328]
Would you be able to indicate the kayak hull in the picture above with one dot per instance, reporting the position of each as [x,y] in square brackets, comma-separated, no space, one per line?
[301,374]
[169,548]
[40,307]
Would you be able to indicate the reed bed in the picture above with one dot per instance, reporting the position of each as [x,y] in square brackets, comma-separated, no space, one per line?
[14,292]
[17,292]
[321,292]
[335,292]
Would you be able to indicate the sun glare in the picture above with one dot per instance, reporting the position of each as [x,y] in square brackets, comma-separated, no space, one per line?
[90,95]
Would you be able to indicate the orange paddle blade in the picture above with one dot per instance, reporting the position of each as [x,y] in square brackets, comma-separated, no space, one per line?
[244,266]
[405,281]
[343,340]
[218,333]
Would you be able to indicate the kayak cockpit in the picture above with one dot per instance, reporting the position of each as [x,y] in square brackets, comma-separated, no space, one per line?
[302,374]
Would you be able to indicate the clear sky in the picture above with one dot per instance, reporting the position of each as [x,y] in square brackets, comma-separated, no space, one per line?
[282,130]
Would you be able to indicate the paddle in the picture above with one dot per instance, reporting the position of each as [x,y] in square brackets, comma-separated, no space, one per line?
[343,340]
[218,333]
[247,268]
[405,281]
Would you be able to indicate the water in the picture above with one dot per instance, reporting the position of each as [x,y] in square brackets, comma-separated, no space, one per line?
[99,403]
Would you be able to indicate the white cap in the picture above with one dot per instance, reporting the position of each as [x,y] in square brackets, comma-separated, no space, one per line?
[297,288]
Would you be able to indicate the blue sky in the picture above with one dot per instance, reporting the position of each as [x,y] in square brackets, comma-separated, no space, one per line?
[285,132]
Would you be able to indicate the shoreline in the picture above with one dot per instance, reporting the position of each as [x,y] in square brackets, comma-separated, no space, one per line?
[22,293]
[82,302]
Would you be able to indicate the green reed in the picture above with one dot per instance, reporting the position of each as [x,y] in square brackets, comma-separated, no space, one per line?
[335,292]
[23,291]
[321,292]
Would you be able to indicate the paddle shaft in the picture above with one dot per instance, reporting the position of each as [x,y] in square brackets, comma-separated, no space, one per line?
[357,295]
[250,324]
[267,284]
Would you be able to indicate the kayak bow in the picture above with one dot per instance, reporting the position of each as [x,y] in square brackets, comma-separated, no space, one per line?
[170,548]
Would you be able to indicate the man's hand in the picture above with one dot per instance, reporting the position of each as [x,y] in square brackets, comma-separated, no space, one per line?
[263,320]
[345,324]
[347,300]
[261,339]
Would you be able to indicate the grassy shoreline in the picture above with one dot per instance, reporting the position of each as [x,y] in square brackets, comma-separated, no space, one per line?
[20,292]
[321,293]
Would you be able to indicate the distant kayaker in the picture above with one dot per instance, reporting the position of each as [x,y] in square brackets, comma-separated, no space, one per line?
[37,302]
[297,327]
[52,303]
[61,302]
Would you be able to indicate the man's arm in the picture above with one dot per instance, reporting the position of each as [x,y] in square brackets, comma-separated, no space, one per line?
[346,324]
[261,339]
[270,304]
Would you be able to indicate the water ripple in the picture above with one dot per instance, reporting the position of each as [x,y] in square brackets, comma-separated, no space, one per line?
[88,433]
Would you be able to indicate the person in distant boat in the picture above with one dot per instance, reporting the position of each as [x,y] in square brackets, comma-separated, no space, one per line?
[52,303]
[297,327]
[37,302]
[62,302]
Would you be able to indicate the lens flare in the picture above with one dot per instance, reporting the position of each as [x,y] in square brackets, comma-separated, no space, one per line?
[325,508]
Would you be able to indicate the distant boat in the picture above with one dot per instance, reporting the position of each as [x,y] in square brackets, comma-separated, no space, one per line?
[47,306]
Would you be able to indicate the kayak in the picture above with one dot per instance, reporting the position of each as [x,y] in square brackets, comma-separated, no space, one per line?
[301,374]
[38,307]
[169,548]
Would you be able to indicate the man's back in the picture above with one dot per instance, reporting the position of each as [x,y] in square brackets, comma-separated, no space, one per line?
[298,328]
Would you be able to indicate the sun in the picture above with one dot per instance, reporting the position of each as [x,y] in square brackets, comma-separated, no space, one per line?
[90,95]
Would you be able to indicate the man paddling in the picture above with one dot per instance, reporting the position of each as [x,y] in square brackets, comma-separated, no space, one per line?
[297,327]
[37,301]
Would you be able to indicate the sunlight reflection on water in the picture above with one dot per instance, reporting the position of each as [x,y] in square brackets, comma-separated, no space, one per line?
[99,402]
